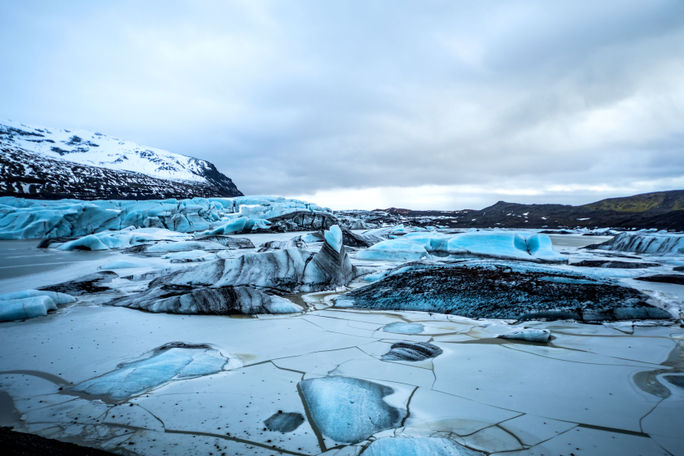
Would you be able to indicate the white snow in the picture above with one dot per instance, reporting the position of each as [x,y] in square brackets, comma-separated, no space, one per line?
[95,149]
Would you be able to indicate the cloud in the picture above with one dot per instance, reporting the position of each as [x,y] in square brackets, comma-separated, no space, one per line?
[302,97]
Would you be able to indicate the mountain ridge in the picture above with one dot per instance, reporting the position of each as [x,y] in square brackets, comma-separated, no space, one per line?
[91,165]
[661,210]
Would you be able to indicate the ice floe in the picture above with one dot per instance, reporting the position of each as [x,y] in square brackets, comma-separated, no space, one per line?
[401,327]
[528,334]
[19,305]
[173,361]
[349,409]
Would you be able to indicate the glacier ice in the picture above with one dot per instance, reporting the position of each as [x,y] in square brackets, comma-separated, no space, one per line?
[657,243]
[39,219]
[401,327]
[529,335]
[119,239]
[349,409]
[498,244]
[284,422]
[411,351]
[333,237]
[205,300]
[174,361]
[509,291]
[394,250]
[285,269]
[19,305]
[416,446]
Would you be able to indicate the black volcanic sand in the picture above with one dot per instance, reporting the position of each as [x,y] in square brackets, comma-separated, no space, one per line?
[14,443]
[664,278]
[614,264]
[499,291]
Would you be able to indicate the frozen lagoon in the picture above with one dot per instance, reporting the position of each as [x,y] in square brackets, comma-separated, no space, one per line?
[593,389]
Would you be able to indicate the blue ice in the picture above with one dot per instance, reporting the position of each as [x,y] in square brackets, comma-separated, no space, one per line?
[401,327]
[30,303]
[416,446]
[349,409]
[166,365]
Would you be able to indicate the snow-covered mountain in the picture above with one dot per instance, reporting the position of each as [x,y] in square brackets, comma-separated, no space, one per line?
[58,163]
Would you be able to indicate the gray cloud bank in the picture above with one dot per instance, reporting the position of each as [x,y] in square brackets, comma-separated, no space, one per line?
[460,103]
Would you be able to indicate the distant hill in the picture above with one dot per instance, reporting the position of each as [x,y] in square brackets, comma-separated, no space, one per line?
[653,203]
[661,210]
[57,163]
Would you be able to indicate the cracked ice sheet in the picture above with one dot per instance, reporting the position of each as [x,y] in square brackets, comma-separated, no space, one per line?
[153,443]
[86,341]
[602,395]
[372,369]
[665,423]
[645,349]
[235,402]
[435,411]
[320,363]
[493,439]
[582,440]
[532,429]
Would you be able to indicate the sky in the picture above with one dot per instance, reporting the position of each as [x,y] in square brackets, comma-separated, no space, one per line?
[369,104]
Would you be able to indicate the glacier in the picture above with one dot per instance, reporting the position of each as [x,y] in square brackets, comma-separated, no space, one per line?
[41,219]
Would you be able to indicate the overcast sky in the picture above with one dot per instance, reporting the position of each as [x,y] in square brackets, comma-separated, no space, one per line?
[364,104]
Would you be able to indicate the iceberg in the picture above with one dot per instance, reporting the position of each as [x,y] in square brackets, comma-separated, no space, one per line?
[20,305]
[529,335]
[173,361]
[411,351]
[284,269]
[394,250]
[658,243]
[215,301]
[508,291]
[349,409]
[333,237]
[127,237]
[496,244]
